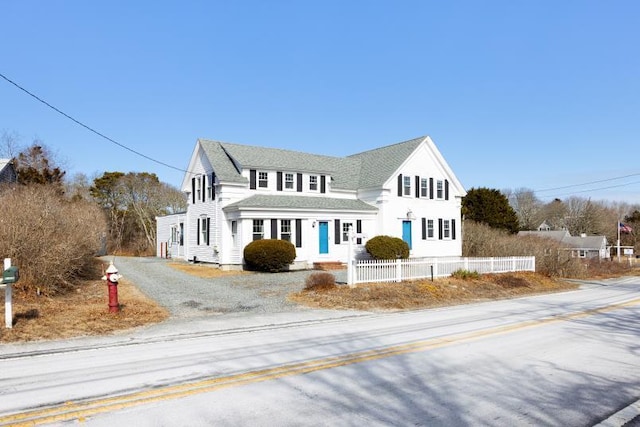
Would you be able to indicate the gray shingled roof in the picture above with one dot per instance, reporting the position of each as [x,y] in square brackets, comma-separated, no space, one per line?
[300,202]
[567,240]
[363,170]
[378,165]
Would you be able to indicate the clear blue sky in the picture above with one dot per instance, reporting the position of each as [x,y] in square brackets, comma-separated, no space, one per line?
[536,94]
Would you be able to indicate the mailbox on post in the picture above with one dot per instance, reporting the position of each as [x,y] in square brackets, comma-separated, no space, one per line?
[10,275]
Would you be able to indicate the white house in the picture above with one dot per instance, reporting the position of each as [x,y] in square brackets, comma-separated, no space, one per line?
[239,193]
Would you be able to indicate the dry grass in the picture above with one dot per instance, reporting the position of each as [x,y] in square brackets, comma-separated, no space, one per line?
[425,293]
[81,312]
[204,270]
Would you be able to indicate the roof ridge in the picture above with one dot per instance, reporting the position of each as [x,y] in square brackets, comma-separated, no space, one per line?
[419,138]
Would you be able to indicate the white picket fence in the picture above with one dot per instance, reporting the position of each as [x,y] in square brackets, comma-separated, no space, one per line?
[366,271]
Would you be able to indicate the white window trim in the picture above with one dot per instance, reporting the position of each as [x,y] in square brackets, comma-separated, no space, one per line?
[406,189]
[317,184]
[433,229]
[261,180]
[440,189]
[287,182]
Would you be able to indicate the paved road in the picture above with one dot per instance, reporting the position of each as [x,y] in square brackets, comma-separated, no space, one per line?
[568,359]
[186,296]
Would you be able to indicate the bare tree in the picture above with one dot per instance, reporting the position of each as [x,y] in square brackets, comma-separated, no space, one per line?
[10,144]
[527,206]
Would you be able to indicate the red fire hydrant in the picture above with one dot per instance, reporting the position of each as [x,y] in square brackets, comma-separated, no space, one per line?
[112,277]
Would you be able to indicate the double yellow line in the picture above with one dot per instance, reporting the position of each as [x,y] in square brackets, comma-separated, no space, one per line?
[81,410]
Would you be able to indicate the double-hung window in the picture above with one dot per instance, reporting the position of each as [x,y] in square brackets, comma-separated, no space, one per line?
[204,231]
[263,179]
[288,181]
[423,187]
[430,229]
[285,230]
[440,189]
[346,226]
[258,229]
[313,183]
[406,185]
[446,229]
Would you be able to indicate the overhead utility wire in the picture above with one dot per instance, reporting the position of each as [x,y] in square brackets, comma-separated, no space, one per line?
[589,183]
[594,189]
[90,128]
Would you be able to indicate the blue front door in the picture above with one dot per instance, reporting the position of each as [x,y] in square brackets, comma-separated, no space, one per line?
[406,232]
[323,230]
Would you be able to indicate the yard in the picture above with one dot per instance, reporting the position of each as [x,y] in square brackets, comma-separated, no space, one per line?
[84,310]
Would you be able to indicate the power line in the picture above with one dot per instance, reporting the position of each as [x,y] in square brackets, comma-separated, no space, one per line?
[595,189]
[88,127]
[589,183]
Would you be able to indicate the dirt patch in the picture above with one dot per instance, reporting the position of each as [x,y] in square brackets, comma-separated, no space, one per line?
[425,293]
[83,311]
[204,270]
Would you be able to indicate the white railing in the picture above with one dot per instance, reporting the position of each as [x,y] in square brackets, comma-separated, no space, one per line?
[366,271]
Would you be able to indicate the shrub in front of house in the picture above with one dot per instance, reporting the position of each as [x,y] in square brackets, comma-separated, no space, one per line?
[320,281]
[387,247]
[465,274]
[270,255]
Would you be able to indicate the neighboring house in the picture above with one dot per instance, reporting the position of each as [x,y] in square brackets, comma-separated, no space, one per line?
[582,246]
[8,172]
[170,235]
[239,193]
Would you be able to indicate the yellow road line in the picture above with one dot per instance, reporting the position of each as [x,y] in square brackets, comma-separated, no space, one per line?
[82,410]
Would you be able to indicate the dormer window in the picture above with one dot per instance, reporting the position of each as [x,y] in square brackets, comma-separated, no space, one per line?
[288,181]
[263,179]
[313,183]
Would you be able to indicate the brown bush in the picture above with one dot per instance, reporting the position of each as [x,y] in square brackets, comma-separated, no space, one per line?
[480,240]
[51,240]
[320,281]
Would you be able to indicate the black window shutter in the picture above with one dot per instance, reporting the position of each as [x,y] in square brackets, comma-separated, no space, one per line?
[204,188]
[213,189]
[440,229]
[431,188]
[252,179]
[400,185]
[417,186]
[323,184]
[446,189]
[424,228]
[208,230]
[279,181]
[193,191]
[298,233]
[359,230]
[299,178]
[453,229]
[274,228]
[337,231]
[198,231]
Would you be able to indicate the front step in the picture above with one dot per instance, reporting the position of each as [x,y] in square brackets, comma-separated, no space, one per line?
[329,265]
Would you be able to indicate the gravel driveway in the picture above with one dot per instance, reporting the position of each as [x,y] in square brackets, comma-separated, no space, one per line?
[185,295]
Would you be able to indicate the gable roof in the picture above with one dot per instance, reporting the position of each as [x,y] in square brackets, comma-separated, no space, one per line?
[378,165]
[368,169]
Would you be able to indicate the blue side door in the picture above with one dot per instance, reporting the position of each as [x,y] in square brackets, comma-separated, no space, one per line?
[323,235]
[406,232]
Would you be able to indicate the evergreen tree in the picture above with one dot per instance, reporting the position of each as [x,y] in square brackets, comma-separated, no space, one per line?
[491,207]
